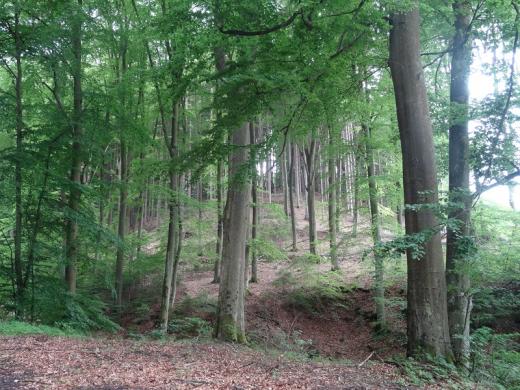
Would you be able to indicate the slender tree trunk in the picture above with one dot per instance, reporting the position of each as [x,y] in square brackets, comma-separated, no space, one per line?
[332,204]
[379,287]
[283,167]
[230,316]
[269,178]
[457,251]
[427,314]
[71,234]
[311,191]
[356,203]
[297,178]
[122,223]
[18,230]
[511,192]
[172,246]
[291,196]
[254,222]
[220,223]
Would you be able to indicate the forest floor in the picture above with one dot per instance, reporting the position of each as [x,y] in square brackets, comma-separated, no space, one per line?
[326,346]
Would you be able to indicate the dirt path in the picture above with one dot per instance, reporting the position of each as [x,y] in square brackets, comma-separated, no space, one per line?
[37,362]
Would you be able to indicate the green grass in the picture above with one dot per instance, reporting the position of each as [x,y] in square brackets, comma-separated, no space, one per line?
[17,328]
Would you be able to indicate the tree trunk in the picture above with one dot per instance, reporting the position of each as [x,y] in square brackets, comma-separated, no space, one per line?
[220,222]
[18,267]
[173,243]
[71,233]
[254,223]
[457,250]
[427,314]
[122,223]
[332,204]
[283,168]
[311,192]
[379,287]
[230,324]
[291,196]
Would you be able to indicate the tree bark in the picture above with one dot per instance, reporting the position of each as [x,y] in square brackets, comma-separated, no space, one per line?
[427,314]
[379,288]
[173,243]
[332,204]
[254,222]
[310,152]
[71,233]
[230,324]
[122,223]
[18,267]
[220,223]
[291,196]
[457,251]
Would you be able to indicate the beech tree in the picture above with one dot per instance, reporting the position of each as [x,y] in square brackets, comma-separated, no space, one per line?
[427,314]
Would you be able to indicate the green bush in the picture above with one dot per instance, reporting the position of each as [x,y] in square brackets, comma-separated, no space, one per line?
[189,327]
[312,292]
[495,359]
[16,328]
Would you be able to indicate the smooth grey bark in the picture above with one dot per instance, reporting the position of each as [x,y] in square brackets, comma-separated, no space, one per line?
[310,159]
[427,314]
[291,195]
[332,204]
[71,229]
[174,242]
[283,168]
[254,207]
[230,324]
[379,288]
[457,249]
[18,267]
[220,223]
[122,224]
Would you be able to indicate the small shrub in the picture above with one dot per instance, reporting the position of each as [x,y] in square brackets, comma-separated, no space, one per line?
[495,359]
[189,327]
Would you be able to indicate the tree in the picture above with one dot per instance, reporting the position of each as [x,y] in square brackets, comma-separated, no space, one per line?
[230,324]
[71,229]
[427,315]
[458,245]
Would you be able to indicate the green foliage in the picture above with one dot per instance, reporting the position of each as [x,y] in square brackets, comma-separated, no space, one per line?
[312,292]
[267,250]
[495,359]
[17,328]
[189,327]
[431,371]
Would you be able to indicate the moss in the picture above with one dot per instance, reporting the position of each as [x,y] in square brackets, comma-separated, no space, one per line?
[227,330]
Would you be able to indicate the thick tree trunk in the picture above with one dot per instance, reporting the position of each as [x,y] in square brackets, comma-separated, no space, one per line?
[457,278]
[230,324]
[427,314]
[332,204]
[291,196]
[71,233]
[379,288]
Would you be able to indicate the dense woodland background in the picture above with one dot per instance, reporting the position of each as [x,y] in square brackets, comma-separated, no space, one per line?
[278,173]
